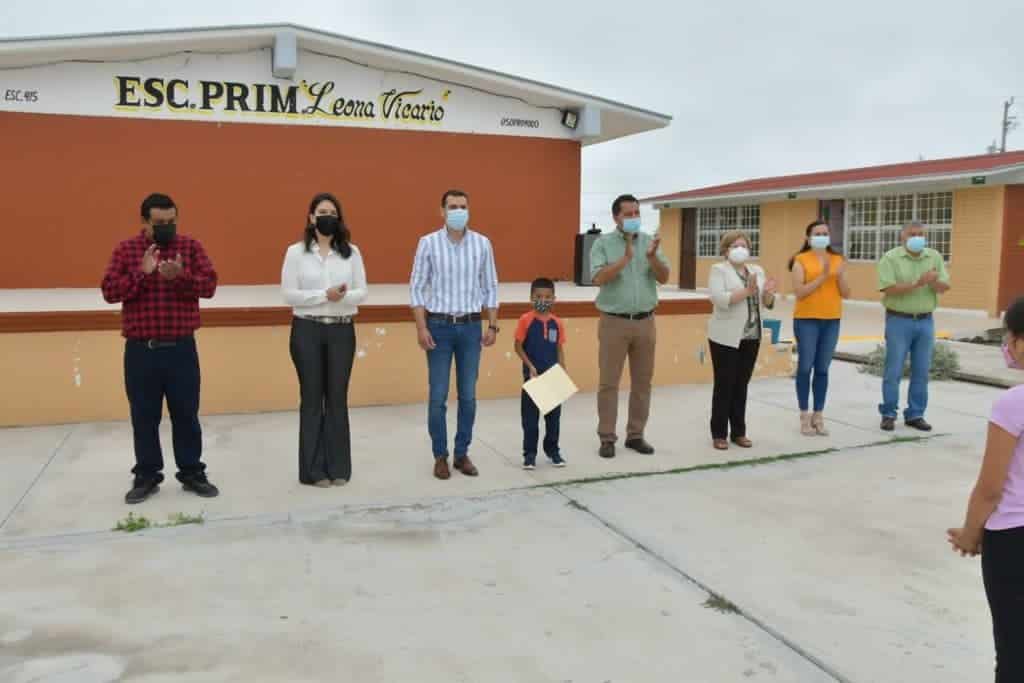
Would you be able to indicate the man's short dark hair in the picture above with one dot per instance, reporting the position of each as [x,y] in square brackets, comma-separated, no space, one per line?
[542,283]
[452,193]
[155,201]
[620,200]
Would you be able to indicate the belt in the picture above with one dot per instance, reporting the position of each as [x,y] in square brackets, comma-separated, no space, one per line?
[327,319]
[633,316]
[161,343]
[912,316]
[455,319]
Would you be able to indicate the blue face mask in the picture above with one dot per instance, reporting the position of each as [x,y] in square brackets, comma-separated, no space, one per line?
[457,219]
[631,226]
[917,244]
[820,241]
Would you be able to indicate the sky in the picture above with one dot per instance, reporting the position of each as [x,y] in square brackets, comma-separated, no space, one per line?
[754,88]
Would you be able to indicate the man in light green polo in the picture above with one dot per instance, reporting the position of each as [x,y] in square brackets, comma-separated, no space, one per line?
[628,265]
[911,278]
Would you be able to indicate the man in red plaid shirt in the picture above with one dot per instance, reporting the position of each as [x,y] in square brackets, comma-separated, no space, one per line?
[158,277]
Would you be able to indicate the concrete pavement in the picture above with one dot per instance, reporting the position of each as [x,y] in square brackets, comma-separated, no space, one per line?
[831,549]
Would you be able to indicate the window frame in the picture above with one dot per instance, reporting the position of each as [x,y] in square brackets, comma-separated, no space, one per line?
[745,217]
[882,231]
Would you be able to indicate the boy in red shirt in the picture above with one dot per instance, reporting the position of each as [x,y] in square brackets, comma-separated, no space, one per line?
[540,338]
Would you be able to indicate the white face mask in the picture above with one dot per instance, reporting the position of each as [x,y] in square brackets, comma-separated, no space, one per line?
[739,255]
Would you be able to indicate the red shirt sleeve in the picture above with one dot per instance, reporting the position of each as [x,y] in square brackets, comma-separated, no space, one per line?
[523,326]
[199,279]
[121,281]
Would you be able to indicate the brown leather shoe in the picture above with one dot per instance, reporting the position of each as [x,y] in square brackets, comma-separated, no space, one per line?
[720,444]
[441,470]
[466,466]
[743,442]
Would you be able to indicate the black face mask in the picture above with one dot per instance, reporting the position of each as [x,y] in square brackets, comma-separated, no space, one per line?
[163,234]
[327,225]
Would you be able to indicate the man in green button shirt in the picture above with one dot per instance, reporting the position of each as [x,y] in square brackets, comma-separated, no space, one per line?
[627,265]
[911,277]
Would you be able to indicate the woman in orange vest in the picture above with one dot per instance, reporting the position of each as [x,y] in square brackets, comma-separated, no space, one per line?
[819,282]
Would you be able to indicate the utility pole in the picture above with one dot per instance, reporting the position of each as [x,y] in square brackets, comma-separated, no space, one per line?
[1009,122]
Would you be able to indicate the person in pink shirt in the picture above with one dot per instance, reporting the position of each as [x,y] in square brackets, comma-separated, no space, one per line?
[994,527]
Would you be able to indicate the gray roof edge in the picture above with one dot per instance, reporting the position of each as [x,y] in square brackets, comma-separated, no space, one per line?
[665,119]
[848,185]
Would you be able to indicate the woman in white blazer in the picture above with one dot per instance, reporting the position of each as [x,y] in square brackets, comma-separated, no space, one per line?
[324,281]
[738,290]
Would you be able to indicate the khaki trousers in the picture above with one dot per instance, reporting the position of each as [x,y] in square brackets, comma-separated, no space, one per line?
[620,339]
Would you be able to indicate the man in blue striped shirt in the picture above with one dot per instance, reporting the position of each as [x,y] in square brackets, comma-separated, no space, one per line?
[453,279]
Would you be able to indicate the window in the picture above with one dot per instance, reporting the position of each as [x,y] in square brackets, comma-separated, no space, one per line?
[713,222]
[874,223]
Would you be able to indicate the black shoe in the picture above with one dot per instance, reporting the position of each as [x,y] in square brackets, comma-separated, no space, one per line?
[919,424]
[640,446]
[888,424]
[200,486]
[141,490]
[607,450]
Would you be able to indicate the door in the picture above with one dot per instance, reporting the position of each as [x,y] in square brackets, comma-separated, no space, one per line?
[688,250]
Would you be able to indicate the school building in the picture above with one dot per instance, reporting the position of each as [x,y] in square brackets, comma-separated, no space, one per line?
[242,125]
[972,207]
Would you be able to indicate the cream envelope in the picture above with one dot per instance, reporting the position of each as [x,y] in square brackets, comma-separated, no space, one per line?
[551,389]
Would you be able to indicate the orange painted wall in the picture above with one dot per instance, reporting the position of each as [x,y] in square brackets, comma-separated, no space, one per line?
[1011,271]
[72,188]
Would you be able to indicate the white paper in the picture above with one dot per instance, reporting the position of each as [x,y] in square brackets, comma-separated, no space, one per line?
[551,389]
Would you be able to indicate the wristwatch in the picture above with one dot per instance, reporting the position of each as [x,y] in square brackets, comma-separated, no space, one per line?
[495,328]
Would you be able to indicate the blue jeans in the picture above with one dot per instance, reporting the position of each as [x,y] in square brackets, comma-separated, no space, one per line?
[462,342]
[815,343]
[906,336]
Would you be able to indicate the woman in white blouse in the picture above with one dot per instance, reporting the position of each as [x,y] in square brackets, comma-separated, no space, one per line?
[738,290]
[324,281]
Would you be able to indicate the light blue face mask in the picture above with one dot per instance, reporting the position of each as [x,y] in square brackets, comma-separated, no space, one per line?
[820,241]
[631,226]
[457,219]
[916,244]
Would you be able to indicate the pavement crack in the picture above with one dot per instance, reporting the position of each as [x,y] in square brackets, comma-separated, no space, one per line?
[714,596]
[737,464]
[39,475]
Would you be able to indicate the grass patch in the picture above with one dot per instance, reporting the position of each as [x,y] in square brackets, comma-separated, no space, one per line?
[181,518]
[731,464]
[945,363]
[131,523]
[720,605]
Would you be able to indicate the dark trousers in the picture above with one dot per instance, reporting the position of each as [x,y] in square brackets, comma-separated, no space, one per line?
[1002,567]
[323,355]
[531,432]
[733,370]
[150,376]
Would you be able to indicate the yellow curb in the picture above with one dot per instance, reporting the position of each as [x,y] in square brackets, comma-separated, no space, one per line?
[867,338]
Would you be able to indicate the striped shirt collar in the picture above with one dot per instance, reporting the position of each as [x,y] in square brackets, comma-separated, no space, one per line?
[443,231]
